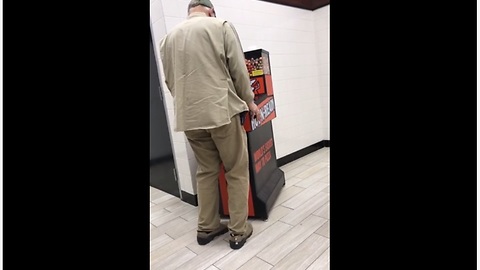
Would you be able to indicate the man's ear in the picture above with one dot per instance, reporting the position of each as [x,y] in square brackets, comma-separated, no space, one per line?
[211,12]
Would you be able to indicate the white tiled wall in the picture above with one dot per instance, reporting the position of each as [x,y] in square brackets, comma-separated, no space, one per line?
[298,43]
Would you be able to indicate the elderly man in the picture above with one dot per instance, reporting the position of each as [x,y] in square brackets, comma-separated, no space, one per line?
[205,72]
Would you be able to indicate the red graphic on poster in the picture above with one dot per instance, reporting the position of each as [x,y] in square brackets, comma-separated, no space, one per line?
[263,155]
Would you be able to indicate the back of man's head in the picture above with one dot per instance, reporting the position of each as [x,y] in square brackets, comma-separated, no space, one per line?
[204,6]
[205,3]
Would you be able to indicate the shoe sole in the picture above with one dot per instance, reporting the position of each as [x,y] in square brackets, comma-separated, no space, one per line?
[203,241]
[241,243]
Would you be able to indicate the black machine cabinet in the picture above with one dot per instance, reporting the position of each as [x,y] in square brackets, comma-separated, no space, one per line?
[266,179]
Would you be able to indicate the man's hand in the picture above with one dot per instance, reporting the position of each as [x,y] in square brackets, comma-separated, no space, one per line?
[255,111]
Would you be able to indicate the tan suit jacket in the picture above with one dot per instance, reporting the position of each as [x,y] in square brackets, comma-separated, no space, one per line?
[205,71]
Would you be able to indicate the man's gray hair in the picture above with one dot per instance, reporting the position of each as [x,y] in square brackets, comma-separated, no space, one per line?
[205,3]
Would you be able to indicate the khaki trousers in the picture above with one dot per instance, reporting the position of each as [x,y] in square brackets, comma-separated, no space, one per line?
[227,144]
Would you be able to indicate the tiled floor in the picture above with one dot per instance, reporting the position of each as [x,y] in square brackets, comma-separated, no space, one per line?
[295,236]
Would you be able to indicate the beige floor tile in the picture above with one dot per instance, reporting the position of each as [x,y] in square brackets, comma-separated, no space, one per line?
[173,261]
[163,198]
[171,247]
[192,215]
[286,193]
[312,170]
[177,231]
[254,244]
[273,253]
[212,267]
[305,254]
[152,226]
[159,210]
[323,211]
[156,208]
[317,160]
[326,158]
[165,201]
[152,204]
[176,205]
[274,215]
[167,226]
[322,263]
[324,230]
[291,181]
[171,226]
[256,264]
[184,209]
[306,209]
[295,171]
[325,179]
[157,214]
[156,194]
[154,233]
[183,206]
[207,254]
[292,165]
[315,178]
[324,170]
[159,241]
[305,195]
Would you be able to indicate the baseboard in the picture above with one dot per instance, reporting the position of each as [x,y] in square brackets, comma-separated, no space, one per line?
[302,152]
[189,198]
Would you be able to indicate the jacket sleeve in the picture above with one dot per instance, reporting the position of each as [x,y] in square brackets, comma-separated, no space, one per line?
[167,70]
[236,63]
